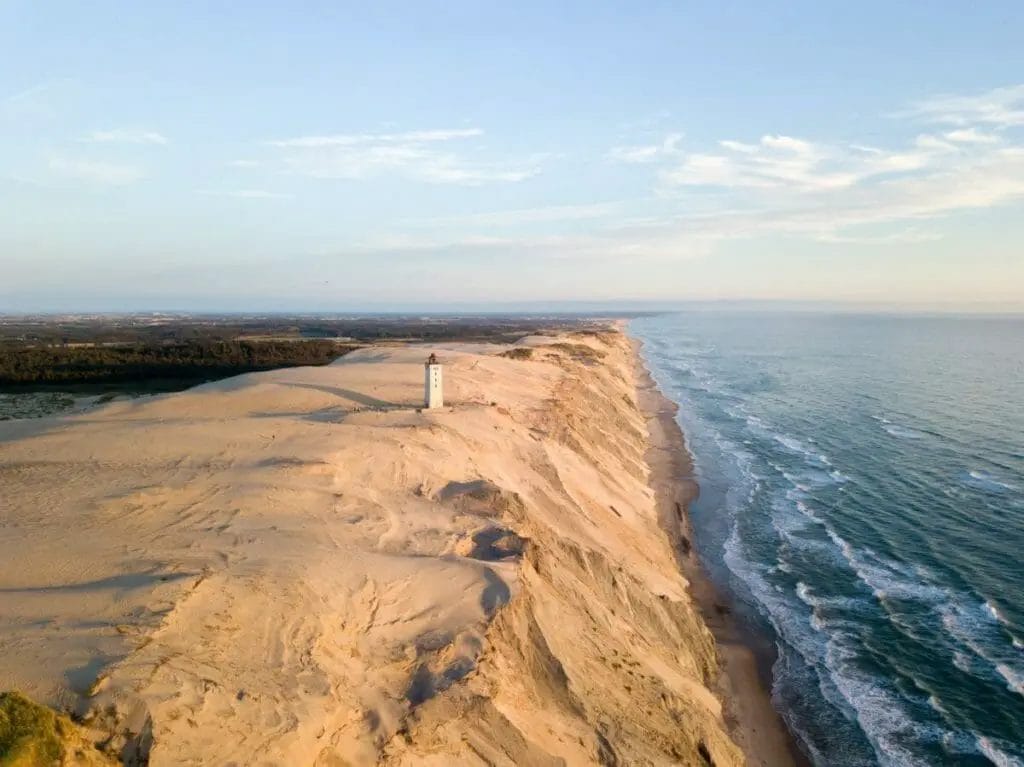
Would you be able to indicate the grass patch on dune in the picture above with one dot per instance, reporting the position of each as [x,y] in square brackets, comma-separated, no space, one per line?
[36,736]
[579,352]
[30,734]
[518,353]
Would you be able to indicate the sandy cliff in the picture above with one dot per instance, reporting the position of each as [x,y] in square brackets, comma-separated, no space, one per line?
[297,567]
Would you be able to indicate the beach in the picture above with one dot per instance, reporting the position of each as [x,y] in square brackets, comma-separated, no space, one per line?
[304,567]
[745,667]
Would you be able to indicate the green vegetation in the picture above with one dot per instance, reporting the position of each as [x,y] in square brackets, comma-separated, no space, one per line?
[185,361]
[30,734]
[154,353]
[36,736]
[519,353]
[579,352]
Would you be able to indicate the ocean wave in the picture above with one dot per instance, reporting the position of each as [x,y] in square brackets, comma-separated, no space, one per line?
[833,650]
[1014,678]
[963,661]
[811,479]
[799,550]
[984,480]
[881,712]
[818,602]
[795,445]
[902,432]
[996,754]
[992,609]
[977,629]
[887,578]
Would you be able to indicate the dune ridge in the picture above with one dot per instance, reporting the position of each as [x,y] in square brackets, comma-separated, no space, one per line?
[298,567]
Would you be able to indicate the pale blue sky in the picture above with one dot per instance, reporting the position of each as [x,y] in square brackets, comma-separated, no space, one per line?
[333,156]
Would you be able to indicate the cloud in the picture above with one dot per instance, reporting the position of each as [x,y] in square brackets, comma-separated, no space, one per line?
[96,172]
[422,155]
[356,139]
[784,162]
[245,194]
[244,163]
[125,136]
[39,102]
[503,218]
[970,136]
[829,192]
[999,108]
[837,192]
[645,153]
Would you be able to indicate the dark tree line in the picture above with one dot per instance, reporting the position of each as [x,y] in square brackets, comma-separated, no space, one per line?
[198,360]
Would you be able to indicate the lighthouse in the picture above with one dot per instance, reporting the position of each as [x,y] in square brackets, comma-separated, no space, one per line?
[433,395]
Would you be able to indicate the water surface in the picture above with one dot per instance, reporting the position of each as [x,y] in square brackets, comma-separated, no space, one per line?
[862,497]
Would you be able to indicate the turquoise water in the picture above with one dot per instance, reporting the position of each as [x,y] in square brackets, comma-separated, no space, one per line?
[862,498]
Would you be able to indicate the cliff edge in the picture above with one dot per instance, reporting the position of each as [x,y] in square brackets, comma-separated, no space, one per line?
[301,567]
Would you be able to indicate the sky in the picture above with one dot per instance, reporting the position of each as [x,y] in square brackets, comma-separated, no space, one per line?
[336,156]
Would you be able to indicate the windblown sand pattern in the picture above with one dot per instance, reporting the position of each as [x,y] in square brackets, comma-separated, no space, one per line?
[298,567]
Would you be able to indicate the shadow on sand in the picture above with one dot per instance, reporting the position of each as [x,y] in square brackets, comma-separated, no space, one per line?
[349,394]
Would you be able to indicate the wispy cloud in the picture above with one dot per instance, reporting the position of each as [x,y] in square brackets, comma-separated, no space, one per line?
[646,153]
[356,139]
[786,162]
[244,163]
[521,216]
[1000,108]
[966,159]
[839,194]
[423,155]
[95,171]
[125,136]
[245,194]
[38,101]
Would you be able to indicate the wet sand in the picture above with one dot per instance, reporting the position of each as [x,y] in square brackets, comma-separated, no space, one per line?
[745,662]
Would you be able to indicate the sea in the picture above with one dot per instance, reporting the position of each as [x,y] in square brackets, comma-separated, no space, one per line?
[862,503]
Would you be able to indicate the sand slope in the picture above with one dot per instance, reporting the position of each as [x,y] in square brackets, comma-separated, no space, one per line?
[296,567]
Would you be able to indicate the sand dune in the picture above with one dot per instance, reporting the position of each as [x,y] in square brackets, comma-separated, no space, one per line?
[297,567]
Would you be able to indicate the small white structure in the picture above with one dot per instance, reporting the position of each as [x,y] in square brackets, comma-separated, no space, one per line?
[433,393]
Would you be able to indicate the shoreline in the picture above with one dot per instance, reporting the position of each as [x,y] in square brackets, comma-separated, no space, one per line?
[744,677]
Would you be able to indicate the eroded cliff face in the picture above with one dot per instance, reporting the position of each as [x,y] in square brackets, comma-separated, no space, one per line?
[601,657]
[299,567]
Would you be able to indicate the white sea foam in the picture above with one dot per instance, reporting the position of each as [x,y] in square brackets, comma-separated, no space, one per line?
[812,479]
[884,576]
[796,446]
[977,630]
[992,610]
[936,705]
[986,481]
[997,755]
[804,592]
[881,712]
[902,432]
[1014,678]
[963,661]
[832,651]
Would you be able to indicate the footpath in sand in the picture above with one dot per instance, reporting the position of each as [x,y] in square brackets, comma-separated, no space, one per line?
[297,567]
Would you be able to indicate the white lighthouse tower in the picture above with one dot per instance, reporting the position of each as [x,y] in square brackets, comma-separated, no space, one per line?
[433,394]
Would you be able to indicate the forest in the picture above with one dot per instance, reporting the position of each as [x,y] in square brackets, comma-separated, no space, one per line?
[197,360]
[166,352]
